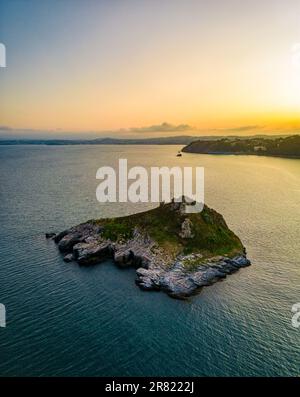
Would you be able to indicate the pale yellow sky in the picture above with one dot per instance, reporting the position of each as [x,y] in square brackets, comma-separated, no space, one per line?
[102,66]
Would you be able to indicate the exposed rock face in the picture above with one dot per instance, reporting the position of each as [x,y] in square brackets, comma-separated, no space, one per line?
[68,258]
[180,283]
[90,253]
[179,276]
[186,229]
[50,235]
[67,242]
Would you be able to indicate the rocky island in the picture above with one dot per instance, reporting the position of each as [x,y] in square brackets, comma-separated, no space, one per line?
[172,251]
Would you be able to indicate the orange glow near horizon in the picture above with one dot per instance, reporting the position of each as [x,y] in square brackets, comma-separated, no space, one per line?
[216,67]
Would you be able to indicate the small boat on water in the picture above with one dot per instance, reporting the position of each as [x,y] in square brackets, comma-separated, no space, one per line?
[178,154]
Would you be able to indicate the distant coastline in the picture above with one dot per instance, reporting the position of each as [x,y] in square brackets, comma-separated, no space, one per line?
[173,140]
[288,147]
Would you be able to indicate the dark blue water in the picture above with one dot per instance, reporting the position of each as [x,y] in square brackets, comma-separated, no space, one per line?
[66,320]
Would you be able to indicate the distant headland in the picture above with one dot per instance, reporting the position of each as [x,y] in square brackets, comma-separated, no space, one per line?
[279,147]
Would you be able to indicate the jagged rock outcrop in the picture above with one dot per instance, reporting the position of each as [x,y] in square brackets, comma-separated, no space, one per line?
[186,229]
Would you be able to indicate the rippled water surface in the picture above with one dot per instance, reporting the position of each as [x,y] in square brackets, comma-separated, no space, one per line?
[67,320]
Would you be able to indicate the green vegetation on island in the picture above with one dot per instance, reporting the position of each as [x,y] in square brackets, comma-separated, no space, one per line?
[209,233]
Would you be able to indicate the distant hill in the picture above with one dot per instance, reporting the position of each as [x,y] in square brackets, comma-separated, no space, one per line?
[282,147]
[174,140]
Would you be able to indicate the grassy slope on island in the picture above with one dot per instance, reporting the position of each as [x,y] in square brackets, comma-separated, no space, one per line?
[211,235]
[282,147]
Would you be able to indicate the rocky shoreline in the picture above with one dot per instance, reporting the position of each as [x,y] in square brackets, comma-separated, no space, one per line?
[180,275]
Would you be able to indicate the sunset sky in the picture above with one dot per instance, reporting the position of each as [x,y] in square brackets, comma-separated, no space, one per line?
[125,67]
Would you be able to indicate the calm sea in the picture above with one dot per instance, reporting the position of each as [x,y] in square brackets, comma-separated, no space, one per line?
[67,320]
